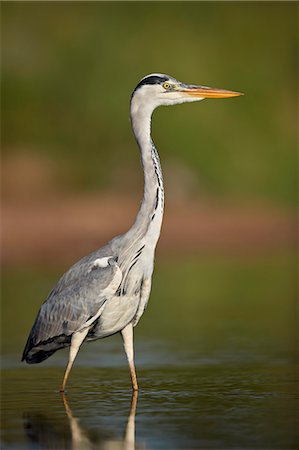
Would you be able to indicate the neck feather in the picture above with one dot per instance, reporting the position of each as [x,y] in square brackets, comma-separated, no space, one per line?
[153,195]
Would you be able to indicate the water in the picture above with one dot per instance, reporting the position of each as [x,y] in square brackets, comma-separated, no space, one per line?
[215,372]
[208,406]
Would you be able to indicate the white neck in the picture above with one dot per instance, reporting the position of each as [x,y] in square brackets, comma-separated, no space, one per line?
[149,217]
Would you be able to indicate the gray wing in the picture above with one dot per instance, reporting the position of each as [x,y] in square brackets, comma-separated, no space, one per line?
[74,301]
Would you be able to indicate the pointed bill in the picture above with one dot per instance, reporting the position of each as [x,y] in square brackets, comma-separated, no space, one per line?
[207,92]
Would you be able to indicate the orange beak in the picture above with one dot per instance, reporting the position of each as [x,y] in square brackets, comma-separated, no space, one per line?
[207,92]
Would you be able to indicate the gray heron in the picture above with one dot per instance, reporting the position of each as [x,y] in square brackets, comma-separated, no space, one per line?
[107,291]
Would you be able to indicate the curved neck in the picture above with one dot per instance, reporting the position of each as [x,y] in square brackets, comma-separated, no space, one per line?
[151,209]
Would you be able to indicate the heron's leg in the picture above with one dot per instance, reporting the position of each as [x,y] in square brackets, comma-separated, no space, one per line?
[76,341]
[127,335]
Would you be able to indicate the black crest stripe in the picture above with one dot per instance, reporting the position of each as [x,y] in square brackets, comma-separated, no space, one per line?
[153,79]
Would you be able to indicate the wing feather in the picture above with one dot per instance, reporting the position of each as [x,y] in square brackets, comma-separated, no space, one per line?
[76,299]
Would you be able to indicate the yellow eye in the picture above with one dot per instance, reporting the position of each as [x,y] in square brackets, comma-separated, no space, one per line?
[167,86]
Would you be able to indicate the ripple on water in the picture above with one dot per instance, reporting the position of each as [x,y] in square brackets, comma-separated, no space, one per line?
[210,406]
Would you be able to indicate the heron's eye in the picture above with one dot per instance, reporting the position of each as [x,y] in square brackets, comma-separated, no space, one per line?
[167,86]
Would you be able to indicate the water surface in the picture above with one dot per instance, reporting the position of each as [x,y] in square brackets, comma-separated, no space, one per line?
[215,359]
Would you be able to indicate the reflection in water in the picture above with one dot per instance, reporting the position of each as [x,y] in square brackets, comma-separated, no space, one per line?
[47,434]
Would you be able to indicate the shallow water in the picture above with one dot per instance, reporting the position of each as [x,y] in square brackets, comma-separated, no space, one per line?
[212,406]
[214,372]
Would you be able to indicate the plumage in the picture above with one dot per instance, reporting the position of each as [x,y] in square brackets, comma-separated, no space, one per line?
[108,290]
[76,298]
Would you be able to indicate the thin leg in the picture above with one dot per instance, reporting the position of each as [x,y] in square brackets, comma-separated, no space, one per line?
[127,335]
[76,342]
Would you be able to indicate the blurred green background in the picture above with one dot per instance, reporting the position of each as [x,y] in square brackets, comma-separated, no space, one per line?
[224,285]
[68,69]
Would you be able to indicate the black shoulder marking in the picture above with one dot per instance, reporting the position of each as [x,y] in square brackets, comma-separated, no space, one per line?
[131,266]
[139,251]
[92,330]
[118,292]
[153,79]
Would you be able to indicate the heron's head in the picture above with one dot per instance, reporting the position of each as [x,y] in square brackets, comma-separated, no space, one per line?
[158,89]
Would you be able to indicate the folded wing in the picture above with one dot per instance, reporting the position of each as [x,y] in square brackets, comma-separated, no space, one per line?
[74,303]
